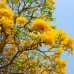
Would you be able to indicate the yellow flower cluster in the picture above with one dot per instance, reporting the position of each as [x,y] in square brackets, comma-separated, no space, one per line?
[35,35]
[7,22]
[6,15]
[5,10]
[60,66]
[49,37]
[39,24]
[60,62]
[61,35]
[3,5]
[21,20]
[59,49]
[68,43]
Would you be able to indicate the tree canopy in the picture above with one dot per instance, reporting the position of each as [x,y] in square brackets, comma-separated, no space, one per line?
[29,44]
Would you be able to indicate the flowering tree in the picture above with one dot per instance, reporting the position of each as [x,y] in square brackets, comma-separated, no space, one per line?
[25,31]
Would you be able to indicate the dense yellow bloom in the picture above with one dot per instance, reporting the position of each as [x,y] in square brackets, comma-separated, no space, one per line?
[61,35]
[68,42]
[60,62]
[49,37]
[7,22]
[21,20]
[39,24]
[60,32]
[6,13]
[5,10]
[3,5]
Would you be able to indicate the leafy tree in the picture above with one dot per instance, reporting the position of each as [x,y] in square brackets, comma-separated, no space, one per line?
[29,44]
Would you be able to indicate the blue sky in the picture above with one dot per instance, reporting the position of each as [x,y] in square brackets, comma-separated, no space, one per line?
[64,15]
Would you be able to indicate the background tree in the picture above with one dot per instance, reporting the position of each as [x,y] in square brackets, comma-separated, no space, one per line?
[24,30]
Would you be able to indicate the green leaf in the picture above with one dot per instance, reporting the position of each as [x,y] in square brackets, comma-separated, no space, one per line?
[50,14]
[15,1]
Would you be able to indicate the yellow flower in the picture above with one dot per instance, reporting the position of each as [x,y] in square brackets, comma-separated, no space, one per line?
[7,22]
[21,20]
[60,62]
[22,42]
[63,71]
[30,42]
[6,13]
[39,24]
[60,49]
[60,32]
[3,5]
[4,1]
[32,35]
[49,37]
[68,42]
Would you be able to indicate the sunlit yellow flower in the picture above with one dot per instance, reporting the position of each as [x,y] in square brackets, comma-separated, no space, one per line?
[60,62]
[3,5]
[6,13]
[68,42]
[49,37]
[60,49]
[32,35]
[7,22]
[40,24]
[21,20]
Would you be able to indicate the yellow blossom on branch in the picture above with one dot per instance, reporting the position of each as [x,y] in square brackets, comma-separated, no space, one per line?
[39,24]
[21,20]
[7,22]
